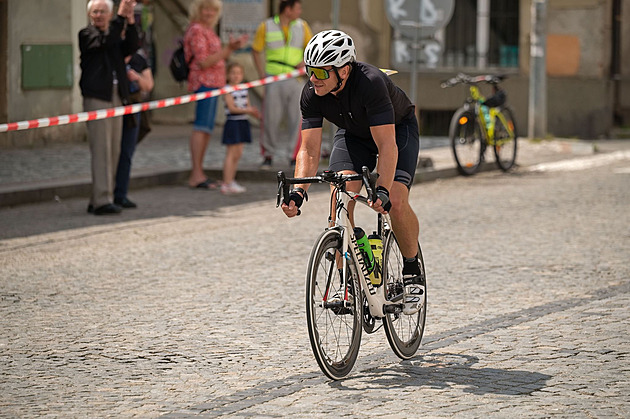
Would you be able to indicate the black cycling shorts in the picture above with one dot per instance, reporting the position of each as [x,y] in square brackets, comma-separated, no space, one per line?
[352,153]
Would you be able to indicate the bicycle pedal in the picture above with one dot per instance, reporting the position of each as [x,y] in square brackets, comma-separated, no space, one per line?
[393,308]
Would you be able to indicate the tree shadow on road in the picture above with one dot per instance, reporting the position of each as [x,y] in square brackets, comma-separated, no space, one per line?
[444,370]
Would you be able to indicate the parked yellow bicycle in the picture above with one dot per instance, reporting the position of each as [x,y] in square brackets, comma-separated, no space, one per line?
[480,123]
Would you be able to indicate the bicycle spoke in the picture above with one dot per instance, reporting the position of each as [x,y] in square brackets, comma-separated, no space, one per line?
[505,146]
[334,324]
[404,332]
[466,142]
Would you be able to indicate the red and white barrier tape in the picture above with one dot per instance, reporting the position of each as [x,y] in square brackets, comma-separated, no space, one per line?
[137,107]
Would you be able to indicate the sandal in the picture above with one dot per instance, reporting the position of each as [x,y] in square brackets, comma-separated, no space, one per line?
[206,184]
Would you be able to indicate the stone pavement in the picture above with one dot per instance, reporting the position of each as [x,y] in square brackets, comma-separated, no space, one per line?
[63,171]
[201,313]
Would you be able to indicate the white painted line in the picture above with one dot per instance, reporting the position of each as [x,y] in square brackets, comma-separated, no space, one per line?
[582,163]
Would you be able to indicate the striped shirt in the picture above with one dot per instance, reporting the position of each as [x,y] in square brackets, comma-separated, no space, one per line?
[240,101]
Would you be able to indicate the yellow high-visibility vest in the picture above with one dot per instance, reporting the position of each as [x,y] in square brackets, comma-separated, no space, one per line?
[283,55]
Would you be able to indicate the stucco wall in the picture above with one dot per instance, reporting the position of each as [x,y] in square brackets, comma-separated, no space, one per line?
[51,22]
[579,105]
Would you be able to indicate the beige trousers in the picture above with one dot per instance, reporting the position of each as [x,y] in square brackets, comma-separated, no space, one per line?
[104,136]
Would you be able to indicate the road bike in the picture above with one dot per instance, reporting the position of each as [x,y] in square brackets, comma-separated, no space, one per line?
[341,299]
[480,123]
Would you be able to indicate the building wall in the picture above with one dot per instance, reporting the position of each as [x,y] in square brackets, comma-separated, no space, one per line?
[580,90]
[623,94]
[51,22]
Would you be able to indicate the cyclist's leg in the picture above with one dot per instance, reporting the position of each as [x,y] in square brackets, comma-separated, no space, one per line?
[404,220]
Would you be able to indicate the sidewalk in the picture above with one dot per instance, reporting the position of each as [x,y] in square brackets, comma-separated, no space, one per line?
[63,171]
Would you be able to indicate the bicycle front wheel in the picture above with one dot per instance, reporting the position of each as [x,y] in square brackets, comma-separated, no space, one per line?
[404,332]
[334,320]
[466,141]
[505,140]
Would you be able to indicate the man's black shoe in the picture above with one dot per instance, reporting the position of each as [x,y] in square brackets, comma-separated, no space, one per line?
[107,209]
[125,203]
[90,208]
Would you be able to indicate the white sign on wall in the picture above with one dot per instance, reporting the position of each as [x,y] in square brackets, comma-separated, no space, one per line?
[417,20]
[241,16]
[430,15]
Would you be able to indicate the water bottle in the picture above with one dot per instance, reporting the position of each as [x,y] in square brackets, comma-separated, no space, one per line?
[376,244]
[364,248]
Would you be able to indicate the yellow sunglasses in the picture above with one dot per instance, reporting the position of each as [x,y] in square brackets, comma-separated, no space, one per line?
[320,73]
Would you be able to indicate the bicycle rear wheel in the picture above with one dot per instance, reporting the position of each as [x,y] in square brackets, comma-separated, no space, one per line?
[334,325]
[466,141]
[505,140]
[403,332]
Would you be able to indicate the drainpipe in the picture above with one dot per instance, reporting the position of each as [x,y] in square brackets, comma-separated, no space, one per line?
[615,63]
[483,32]
[537,118]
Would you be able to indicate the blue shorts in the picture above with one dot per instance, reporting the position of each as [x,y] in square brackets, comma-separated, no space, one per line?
[236,131]
[351,153]
[205,112]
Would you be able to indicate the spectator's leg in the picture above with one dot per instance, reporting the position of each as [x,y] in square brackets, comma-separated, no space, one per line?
[273,111]
[127,148]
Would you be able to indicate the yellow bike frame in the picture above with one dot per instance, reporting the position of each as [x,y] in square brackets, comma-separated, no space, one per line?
[488,129]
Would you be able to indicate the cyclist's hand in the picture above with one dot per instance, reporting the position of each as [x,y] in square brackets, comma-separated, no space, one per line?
[382,204]
[296,199]
[290,210]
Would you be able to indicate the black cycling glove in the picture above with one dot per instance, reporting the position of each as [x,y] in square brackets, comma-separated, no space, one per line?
[297,198]
[383,194]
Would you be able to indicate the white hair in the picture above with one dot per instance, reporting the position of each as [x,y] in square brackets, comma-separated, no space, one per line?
[109,3]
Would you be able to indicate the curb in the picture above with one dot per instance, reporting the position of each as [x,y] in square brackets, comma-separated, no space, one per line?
[12,195]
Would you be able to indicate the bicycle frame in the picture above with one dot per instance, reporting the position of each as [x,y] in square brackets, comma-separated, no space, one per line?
[487,125]
[376,296]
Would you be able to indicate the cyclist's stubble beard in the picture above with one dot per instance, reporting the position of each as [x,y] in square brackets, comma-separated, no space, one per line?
[329,85]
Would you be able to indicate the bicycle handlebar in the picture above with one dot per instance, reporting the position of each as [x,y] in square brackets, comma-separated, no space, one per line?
[337,179]
[493,79]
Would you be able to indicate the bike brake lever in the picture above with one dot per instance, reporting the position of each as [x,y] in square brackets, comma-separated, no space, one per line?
[283,190]
[370,183]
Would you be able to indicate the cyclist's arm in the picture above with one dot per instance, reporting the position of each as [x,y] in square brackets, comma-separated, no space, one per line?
[306,163]
[385,139]
[307,159]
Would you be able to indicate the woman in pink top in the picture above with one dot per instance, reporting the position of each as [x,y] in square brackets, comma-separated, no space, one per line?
[207,58]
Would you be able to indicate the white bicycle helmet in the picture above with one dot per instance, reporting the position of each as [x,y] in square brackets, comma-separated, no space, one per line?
[331,47]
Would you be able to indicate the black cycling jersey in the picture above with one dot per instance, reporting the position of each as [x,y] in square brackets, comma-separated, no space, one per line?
[369,98]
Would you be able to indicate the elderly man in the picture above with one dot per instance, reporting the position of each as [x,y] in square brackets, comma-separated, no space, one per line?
[103,85]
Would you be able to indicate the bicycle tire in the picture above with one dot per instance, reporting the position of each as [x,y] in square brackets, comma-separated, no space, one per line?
[466,141]
[334,332]
[404,332]
[505,140]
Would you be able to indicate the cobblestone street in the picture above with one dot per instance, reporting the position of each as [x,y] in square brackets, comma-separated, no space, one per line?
[201,312]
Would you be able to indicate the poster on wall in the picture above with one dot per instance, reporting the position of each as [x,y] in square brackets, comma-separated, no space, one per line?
[241,17]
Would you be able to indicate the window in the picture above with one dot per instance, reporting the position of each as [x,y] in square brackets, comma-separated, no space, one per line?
[463,36]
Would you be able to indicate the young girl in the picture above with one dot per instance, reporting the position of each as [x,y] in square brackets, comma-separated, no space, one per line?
[237,131]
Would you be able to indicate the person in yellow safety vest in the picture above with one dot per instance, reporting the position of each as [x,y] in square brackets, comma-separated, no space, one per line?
[282,39]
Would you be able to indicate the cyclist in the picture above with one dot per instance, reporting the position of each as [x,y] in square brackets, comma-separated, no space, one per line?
[375,119]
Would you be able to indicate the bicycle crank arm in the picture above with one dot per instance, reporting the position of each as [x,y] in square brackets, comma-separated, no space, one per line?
[392,308]
[338,307]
